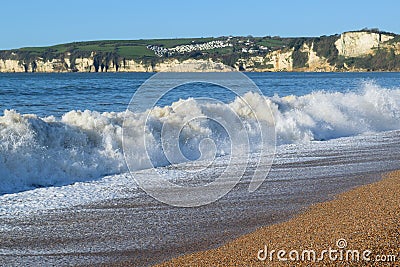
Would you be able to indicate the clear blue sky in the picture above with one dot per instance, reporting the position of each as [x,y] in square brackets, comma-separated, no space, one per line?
[47,22]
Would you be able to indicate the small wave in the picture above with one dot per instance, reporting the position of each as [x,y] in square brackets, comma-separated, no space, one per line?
[87,145]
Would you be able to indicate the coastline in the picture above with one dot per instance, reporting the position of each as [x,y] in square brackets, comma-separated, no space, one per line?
[207,71]
[365,217]
[363,50]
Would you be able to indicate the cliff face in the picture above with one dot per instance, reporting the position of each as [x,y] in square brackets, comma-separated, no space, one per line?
[10,65]
[350,51]
[316,63]
[87,65]
[275,61]
[355,44]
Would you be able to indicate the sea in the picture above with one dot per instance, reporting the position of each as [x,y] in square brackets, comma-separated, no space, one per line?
[69,197]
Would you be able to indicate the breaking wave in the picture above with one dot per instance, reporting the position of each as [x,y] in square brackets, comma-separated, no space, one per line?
[87,145]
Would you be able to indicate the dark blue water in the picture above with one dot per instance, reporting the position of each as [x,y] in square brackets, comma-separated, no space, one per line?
[56,94]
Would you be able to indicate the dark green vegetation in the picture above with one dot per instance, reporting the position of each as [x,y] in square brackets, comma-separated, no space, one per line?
[299,59]
[116,52]
[382,60]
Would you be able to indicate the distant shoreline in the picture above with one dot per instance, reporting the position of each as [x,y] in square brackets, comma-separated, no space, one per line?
[352,51]
[154,72]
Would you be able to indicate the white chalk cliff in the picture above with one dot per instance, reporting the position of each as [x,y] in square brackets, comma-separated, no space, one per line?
[354,44]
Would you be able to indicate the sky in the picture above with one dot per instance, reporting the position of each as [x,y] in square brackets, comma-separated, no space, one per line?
[45,22]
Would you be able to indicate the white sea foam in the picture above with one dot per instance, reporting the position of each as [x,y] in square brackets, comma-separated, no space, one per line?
[87,145]
[324,116]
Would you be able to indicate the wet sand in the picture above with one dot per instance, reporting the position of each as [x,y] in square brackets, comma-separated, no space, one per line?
[367,218]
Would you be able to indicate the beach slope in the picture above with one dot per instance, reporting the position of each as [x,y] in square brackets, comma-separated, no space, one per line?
[364,220]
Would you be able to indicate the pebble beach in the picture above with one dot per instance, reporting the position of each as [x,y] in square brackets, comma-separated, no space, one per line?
[365,219]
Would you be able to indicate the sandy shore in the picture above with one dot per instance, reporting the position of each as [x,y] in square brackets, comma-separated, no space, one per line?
[365,220]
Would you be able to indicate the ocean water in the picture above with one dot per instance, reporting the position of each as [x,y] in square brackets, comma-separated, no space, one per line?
[63,174]
[57,94]
[57,129]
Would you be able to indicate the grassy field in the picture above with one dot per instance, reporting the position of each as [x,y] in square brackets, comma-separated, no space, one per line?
[124,48]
